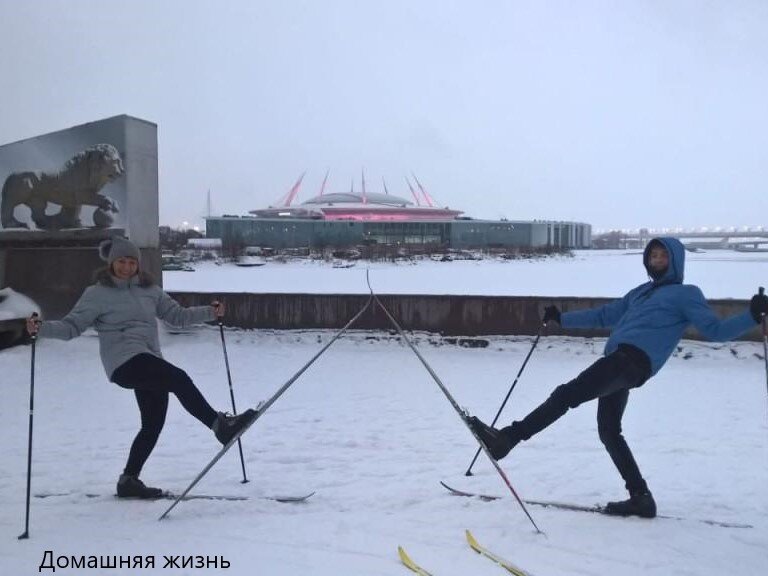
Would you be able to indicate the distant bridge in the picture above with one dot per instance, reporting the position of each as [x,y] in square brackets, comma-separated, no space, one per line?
[740,239]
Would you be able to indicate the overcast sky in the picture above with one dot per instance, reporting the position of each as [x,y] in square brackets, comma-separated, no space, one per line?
[616,113]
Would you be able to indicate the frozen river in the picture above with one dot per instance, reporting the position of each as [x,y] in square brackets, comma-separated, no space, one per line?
[598,273]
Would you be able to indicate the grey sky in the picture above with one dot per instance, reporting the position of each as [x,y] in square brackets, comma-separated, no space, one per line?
[616,113]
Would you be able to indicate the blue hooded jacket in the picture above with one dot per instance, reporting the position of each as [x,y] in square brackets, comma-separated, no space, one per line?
[654,315]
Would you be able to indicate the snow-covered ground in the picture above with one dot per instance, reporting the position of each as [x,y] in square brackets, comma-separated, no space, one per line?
[371,433]
[590,273]
[369,430]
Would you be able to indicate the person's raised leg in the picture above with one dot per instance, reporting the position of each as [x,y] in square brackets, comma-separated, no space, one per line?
[148,372]
[224,426]
[602,377]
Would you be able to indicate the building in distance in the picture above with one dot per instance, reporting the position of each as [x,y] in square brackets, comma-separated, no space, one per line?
[349,219]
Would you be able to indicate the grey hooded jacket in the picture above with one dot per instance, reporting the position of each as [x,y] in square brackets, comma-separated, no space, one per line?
[124,313]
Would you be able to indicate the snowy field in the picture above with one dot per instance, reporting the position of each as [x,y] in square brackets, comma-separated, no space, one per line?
[590,273]
[371,433]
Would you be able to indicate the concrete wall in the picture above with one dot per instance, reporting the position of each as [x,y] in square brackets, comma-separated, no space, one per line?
[141,174]
[55,275]
[449,315]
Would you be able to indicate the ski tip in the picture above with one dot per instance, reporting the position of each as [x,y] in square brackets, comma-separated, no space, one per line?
[403,556]
[294,499]
[410,564]
[456,492]
[453,490]
[471,539]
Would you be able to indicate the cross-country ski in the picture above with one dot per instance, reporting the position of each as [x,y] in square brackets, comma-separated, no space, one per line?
[596,509]
[601,510]
[410,564]
[506,564]
[171,496]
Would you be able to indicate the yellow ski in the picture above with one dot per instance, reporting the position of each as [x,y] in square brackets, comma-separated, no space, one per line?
[506,564]
[410,564]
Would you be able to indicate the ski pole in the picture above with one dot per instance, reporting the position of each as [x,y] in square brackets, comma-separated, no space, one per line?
[761,291]
[25,535]
[504,403]
[462,414]
[263,407]
[232,395]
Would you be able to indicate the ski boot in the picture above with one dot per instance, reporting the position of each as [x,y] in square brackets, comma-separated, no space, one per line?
[498,442]
[226,426]
[639,504]
[132,487]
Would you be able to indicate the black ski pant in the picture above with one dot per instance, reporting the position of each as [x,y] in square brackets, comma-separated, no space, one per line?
[609,379]
[152,379]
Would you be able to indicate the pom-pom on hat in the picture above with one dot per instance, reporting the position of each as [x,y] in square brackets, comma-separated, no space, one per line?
[118,247]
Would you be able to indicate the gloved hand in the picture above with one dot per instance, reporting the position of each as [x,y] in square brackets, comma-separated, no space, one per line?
[758,306]
[551,313]
[218,308]
[33,324]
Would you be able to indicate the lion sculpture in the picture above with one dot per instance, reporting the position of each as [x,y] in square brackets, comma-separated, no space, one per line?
[76,185]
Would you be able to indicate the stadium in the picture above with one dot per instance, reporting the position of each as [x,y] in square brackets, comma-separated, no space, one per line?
[349,219]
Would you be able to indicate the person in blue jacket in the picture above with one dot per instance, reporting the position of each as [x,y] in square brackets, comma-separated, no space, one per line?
[647,324]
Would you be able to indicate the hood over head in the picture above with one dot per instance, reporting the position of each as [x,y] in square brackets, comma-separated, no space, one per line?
[676,268]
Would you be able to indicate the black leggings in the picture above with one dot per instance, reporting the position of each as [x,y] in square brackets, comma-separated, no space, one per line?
[609,379]
[151,379]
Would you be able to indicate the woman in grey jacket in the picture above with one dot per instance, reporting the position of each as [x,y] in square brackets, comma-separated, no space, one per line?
[122,305]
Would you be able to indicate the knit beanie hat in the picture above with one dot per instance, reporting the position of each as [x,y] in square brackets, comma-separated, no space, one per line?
[118,247]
